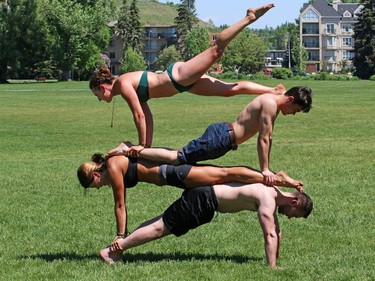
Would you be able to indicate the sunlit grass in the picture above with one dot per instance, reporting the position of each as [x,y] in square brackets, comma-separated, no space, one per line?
[51,230]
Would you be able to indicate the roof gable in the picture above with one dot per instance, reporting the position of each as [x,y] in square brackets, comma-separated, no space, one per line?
[326,10]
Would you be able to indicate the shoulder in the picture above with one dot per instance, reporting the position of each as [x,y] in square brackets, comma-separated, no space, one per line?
[117,163]
[268,104]
[267,199]
[268,99]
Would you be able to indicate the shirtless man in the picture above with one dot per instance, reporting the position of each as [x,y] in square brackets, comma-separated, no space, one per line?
[197,206]
[258,116]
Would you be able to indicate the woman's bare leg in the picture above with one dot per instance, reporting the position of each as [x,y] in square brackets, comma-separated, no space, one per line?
[210,86]
[186,73]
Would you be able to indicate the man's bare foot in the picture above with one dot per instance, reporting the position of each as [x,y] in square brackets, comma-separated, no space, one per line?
[282,179]
[110,257]
[255,13]
[280,89]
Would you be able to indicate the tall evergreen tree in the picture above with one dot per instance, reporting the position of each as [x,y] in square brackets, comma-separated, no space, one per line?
[136,31]
[185,22]
[123,25]
[364,41]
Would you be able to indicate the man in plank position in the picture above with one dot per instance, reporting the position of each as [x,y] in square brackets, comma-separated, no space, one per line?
[197,206]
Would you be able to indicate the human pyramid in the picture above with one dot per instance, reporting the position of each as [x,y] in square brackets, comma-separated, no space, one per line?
[207,188]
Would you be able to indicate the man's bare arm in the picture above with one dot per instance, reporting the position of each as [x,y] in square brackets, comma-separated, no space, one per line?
[266,119]
[278,232]
[268,224]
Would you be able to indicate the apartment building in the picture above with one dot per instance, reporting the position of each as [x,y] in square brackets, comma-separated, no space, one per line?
[155,38]
[326,32]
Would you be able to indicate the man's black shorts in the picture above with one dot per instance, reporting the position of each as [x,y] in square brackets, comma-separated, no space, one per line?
[195,207]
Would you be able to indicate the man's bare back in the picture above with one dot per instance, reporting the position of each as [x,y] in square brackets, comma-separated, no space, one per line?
[235,197]
[249,121]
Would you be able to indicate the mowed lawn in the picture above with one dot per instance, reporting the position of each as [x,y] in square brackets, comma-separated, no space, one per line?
[51,230]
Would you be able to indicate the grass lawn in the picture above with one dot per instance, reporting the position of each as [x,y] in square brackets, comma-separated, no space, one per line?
[51,230]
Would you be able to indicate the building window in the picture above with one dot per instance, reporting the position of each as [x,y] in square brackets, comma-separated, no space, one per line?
[330,28]
[113,69]
[311,43]
[111,43]
[347,55]
[347,27]
[346,41]
[331,41]
[310,15]
[112,55]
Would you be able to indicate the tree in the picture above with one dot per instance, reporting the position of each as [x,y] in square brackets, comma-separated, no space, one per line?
[185,21]
[364,41]
[129,28]
[132,61]
[136,31]
[22,39]
[299,56]
[123,25]
[78,32]
[167,56]
[196,41]
[245,53]
[6,44]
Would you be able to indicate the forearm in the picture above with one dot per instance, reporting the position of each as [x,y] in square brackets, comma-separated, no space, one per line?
[278,245]
[271,248]
[142,130]
[263,147]
[149,134]
[121,219]
[149,125]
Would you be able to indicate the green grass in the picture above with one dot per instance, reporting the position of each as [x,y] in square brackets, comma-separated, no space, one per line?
[50,230]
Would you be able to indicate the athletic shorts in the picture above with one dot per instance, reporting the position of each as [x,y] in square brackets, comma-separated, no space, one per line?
[195,207]
[174,175]
[214,143]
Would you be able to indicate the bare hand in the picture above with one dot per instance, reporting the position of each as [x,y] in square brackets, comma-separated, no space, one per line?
[115,245]
[269,178]
[134,151]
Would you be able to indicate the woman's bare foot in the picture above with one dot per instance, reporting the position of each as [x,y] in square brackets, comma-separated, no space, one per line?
[282,179]
[110,257]
[255,13]
[121,149]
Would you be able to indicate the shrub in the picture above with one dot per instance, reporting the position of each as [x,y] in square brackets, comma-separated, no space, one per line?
[372,78]
[282,73]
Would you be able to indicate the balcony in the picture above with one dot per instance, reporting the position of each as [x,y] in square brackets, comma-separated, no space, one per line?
[310,45]
[161,35]
[310,31]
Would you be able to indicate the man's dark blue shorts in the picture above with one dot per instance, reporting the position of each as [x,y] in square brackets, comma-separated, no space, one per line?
[214,143]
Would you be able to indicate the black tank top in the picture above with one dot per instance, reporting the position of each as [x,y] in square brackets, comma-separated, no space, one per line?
[131,175]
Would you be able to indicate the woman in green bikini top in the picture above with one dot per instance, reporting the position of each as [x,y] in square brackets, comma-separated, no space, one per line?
[139,86]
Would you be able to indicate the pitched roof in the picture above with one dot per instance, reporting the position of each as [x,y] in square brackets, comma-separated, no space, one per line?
[326,10]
